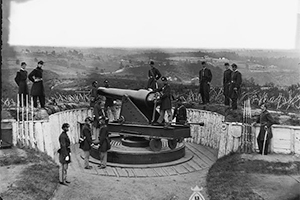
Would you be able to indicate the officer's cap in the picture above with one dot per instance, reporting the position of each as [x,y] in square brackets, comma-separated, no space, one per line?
[151,62]
[234,65]
[41,62]
[23,63]
[65,125]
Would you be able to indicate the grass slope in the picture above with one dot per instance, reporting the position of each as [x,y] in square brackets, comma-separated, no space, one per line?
[37,181]
[229,177]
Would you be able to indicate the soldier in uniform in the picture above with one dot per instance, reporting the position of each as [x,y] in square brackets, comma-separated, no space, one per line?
[235,86]
[103,142]
[37,89]
[266,121]
[226,84]
[21,80]
[205,78]
[153,76]
[64,154]
[110,104]
[165,105]
[93,94]
[86,144]
[180,112]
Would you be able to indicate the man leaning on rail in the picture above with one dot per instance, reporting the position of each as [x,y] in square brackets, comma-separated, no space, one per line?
[265,132]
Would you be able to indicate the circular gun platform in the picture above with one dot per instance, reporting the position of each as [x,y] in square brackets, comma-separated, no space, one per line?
[123,154]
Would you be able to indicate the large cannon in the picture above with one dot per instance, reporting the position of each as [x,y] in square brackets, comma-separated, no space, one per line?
[138,111]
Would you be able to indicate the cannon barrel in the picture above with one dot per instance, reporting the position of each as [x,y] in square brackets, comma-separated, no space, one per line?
[139,97]
[142,99]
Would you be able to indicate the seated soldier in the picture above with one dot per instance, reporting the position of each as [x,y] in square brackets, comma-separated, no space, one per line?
[180,112]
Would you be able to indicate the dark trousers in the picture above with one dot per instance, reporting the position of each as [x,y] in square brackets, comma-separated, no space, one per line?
[234,103]
[204,92]
[261,144]
[227,101]
[41,99]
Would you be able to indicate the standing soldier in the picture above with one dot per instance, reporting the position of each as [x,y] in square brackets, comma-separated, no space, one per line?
[205,78]
[93,94]
[64,154]
[153,76]
[235,85]
[165,103]
[110,104]
[266,121]
[37,89]
[21,80]
[86,144]
[104,142]
[226,83]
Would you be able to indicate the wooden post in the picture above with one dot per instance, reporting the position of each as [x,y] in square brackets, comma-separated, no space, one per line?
[22,123]
[32,113]
[27,120]
[18,118]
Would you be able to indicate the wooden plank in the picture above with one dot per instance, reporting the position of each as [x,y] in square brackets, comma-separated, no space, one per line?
[150,172]
[47,139]
[116,172]
[180,169]
[281,144]
[139,172]
[110,171]
[204,151]
[193,164]
[39,136]
[188,167]
[201,162]
[99,171]
[160,172]
[200,155]
[121,172]
[130,172]
[223,140]
[170,170]
[297,141]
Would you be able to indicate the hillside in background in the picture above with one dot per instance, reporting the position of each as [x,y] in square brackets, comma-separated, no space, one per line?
[73,67]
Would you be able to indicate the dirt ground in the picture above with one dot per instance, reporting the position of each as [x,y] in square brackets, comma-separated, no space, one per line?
[91,186]
[87,186]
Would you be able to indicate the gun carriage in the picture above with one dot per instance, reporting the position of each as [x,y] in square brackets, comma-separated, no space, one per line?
[137,114]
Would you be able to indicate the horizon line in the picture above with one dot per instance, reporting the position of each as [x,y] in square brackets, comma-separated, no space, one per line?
[153,47]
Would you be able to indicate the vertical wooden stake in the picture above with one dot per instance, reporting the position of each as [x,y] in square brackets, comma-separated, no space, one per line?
[22,123]
[18,118]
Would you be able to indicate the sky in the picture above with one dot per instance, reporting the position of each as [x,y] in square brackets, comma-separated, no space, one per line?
[255,24]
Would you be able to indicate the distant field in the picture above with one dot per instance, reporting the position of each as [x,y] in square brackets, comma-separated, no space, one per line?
[66,67]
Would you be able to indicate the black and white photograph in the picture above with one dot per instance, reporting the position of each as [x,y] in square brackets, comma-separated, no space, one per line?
[150,100]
